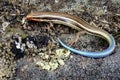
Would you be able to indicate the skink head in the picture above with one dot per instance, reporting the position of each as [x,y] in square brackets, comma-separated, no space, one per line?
[28,17]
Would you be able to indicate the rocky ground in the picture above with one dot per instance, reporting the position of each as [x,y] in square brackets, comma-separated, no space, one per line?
[31,52]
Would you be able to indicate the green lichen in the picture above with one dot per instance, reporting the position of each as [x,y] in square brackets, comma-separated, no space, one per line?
[9,29]
[23,35]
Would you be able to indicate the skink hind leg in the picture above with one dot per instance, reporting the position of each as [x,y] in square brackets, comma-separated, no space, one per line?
[73,41]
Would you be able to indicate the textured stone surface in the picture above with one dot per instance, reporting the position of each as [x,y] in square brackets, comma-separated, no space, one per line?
[105,14]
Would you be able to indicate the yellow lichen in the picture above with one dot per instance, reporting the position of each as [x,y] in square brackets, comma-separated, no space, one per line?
[53,60]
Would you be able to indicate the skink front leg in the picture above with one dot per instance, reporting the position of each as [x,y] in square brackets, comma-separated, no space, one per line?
[73,41]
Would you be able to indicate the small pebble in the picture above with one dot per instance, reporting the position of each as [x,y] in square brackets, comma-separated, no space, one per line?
[56,1]
[5,25]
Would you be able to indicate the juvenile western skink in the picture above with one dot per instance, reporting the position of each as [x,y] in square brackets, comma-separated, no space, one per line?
[78,24]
